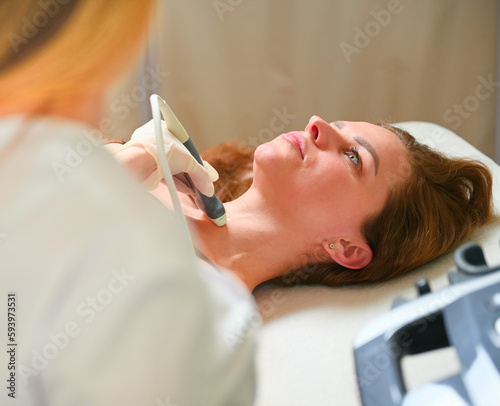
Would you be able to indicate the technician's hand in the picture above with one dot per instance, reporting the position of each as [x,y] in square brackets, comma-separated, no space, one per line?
[140,155]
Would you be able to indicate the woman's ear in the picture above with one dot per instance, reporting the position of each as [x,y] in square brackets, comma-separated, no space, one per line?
[348,254]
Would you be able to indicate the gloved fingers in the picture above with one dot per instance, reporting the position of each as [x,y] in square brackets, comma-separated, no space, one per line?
[152,181]
[200,178]
[178,157]
[214,175]
[147,131]
[147,134]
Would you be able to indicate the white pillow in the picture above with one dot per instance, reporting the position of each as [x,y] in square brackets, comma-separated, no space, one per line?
[305,354]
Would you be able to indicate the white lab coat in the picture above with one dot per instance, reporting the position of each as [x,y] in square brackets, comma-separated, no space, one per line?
[111,306]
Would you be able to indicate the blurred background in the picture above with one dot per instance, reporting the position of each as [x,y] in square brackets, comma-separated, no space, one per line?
[250,70]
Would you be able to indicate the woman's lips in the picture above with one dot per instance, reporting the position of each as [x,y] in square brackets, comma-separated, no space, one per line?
[296,139]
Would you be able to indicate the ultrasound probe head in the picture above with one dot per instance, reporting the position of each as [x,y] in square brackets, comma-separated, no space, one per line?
[210,205]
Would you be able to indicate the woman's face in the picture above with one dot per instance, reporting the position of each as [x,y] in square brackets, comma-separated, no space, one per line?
[330,177]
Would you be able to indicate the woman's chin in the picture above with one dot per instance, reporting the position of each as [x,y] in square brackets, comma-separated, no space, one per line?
[265,148]
[270,154]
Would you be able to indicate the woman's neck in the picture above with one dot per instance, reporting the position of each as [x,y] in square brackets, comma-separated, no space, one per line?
[253,244]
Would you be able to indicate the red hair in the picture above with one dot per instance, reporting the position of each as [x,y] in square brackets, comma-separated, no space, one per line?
[234,162]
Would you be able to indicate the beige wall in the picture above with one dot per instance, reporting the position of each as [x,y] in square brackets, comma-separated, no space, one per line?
[250,69]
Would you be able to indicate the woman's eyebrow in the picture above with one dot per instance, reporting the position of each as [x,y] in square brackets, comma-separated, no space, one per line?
[339,124]
[366,145]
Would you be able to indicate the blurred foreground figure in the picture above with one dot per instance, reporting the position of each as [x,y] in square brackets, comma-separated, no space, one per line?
[104,302]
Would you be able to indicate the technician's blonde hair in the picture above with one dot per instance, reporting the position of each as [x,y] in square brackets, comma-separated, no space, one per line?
[52,51]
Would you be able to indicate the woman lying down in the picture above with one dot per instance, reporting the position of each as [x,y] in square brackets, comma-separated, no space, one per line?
[337,203]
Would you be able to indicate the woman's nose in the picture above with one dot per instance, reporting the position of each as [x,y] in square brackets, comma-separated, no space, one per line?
[322,133]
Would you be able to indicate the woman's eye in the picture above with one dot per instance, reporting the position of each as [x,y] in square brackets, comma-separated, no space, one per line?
[353,155]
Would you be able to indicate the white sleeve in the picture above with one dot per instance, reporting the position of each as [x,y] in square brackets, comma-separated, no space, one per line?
[160,341]
[163,340]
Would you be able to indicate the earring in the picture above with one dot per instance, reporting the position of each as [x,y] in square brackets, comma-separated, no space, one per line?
[332,246]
